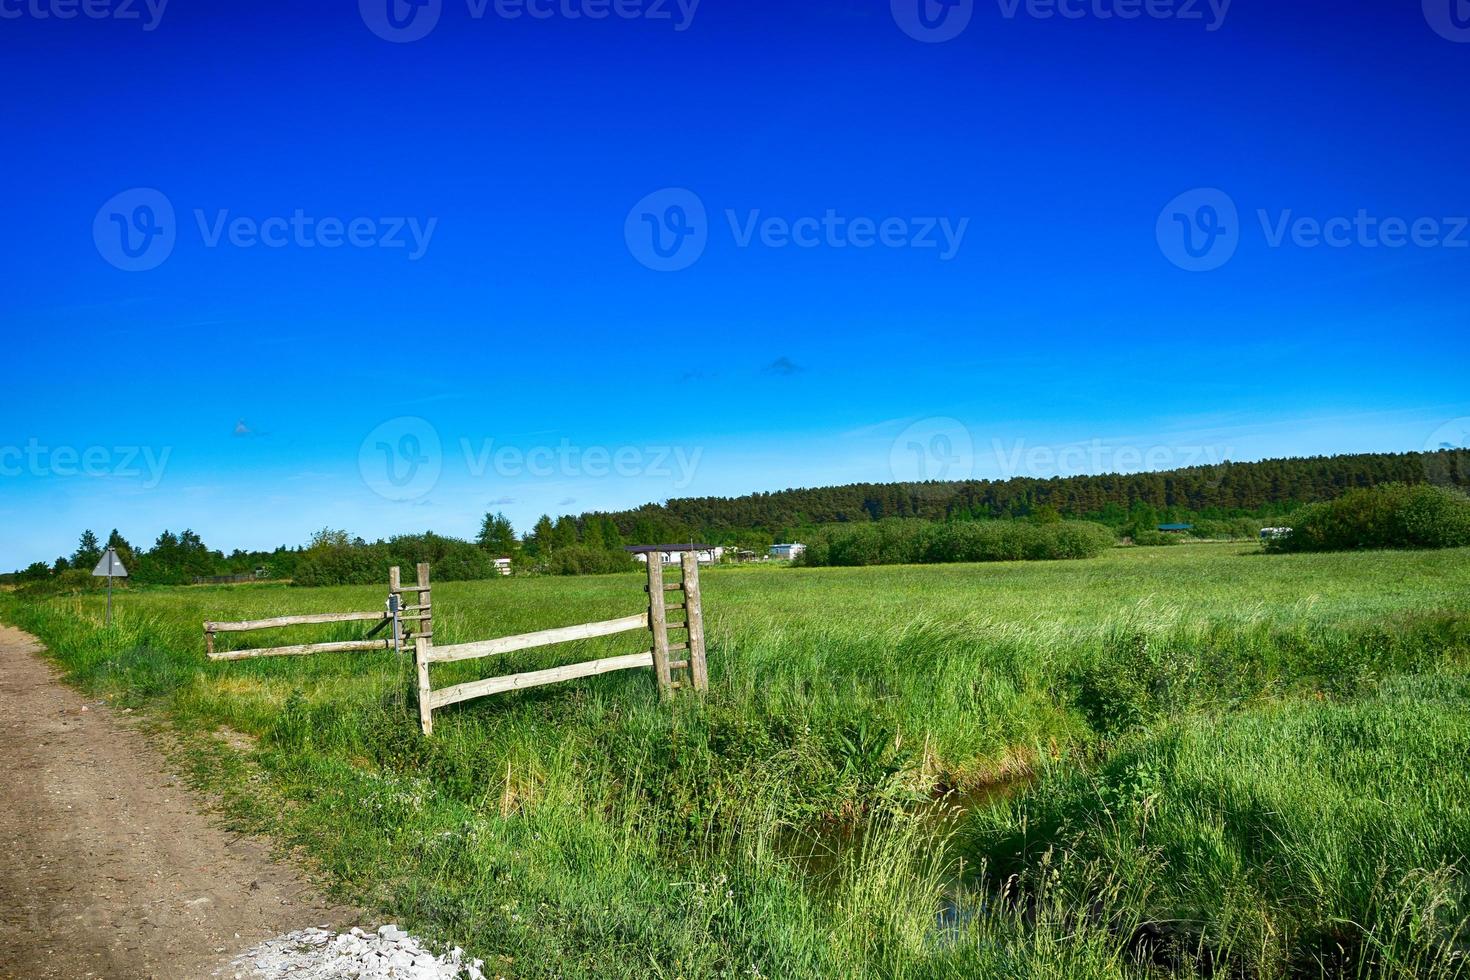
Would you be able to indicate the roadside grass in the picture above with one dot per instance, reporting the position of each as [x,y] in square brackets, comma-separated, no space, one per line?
[1247,763]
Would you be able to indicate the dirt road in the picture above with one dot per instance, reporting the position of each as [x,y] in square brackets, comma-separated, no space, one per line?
[110,868]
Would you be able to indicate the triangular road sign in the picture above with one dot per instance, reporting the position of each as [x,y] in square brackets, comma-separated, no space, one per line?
[110,565]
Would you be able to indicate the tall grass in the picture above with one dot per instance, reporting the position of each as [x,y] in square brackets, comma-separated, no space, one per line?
[1255,747]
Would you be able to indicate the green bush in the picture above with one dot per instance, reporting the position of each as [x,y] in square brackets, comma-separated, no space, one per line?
[1148,537]
[71,580]
[356,563]
[581,560]
[914,542]
[1390,516]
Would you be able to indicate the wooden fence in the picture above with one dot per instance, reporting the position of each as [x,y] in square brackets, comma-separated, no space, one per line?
[409,623]
[693,669]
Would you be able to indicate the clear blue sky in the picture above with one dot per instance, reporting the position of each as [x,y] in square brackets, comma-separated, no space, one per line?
[239,388]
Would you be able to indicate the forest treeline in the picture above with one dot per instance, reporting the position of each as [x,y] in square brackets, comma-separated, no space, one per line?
[1230,500]
[1223,491]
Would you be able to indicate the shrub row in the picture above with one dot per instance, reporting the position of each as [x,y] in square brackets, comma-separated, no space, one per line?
[1390,516]
[916,542]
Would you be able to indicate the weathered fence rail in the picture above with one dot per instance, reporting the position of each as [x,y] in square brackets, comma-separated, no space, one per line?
[408,622]
[653,620]
[414,623]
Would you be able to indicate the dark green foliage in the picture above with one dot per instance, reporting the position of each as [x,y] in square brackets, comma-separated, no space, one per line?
[88,552]
[915,542]
[1148,537]
[35,572]
[497,536]
[1390,516]
[1221,493]
[340,562]
[582,560]
[540,541]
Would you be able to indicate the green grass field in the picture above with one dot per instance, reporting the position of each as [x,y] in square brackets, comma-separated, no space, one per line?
[1174,761]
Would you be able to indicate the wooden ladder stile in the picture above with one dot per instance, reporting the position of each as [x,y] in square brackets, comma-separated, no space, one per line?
[658,624]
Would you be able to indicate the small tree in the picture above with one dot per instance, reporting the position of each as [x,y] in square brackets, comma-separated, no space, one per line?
[124,550]
[35,572]
[592,534]
[88,553]
[497,535]
[564,534]
[328,538]
[539,542]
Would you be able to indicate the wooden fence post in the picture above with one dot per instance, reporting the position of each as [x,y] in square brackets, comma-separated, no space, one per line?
[421,658]
[395,604]
[694,623]
[658,624]
[426,625]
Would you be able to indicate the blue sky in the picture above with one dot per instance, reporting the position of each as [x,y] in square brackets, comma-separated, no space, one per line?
[984,280]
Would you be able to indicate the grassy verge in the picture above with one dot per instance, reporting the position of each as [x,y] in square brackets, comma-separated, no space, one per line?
[1246,762]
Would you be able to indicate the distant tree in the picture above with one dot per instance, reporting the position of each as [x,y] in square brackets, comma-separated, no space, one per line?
[88,553]
[35,572]
[539,541]
[610,535]
[125,553]
[61,565]
[592,535]
[497,535]
[564,534]
[329,538]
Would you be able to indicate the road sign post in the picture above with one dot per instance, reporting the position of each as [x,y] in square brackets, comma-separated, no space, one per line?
[110,566]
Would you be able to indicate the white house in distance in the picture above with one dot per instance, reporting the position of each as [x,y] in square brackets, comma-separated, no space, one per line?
[786,552]
[502,565]
[671,554]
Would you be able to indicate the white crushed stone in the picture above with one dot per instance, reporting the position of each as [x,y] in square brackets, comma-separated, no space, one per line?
[317,954]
